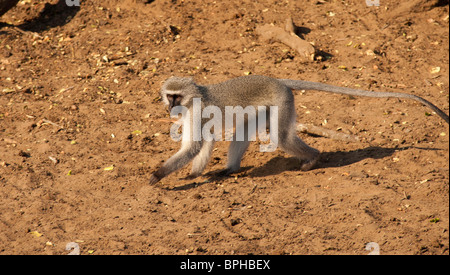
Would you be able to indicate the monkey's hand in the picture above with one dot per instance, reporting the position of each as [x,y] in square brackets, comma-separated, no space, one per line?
[154,179]
[158,175]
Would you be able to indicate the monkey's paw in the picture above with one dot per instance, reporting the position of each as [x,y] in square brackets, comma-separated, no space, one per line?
[306,166]
[192,176]
[154,179]
[224,172]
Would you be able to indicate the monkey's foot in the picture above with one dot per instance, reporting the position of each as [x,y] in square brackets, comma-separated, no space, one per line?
[308,165]
[225,172]
[191,176]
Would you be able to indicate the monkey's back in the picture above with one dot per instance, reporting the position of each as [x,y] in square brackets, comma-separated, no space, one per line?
[251,90]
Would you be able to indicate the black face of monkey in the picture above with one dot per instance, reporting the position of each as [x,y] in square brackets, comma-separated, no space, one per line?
[174,100]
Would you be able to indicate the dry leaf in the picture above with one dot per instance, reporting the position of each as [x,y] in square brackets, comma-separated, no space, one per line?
[35,234]
[435,70]
[109,168]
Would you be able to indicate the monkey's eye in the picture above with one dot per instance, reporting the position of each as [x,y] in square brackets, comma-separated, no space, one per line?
[177,100]
[174,100]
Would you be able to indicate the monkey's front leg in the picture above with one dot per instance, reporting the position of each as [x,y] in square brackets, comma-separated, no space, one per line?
[187,152]
[201,160]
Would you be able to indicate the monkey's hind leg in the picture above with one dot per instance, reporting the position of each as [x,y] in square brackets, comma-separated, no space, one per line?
[293,145]
[201,160]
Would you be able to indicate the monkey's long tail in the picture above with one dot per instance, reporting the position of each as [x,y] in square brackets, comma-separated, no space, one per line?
[309,85]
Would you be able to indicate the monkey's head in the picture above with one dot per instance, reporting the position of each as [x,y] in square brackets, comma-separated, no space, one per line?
[179,91]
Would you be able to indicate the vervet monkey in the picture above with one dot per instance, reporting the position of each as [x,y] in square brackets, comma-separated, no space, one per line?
[254,91]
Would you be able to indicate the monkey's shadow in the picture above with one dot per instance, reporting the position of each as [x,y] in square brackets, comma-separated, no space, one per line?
[278,165]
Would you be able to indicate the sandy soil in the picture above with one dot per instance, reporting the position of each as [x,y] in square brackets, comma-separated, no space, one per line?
[82,128]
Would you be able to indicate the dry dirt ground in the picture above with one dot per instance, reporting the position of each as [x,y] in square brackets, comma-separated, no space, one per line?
[82,128]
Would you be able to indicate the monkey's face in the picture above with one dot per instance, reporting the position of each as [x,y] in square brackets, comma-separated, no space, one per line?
[173,100]
[179,91]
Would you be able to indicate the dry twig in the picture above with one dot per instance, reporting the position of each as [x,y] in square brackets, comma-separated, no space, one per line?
[288,37]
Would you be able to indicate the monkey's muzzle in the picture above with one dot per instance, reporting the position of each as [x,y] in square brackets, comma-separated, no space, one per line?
[174,100]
